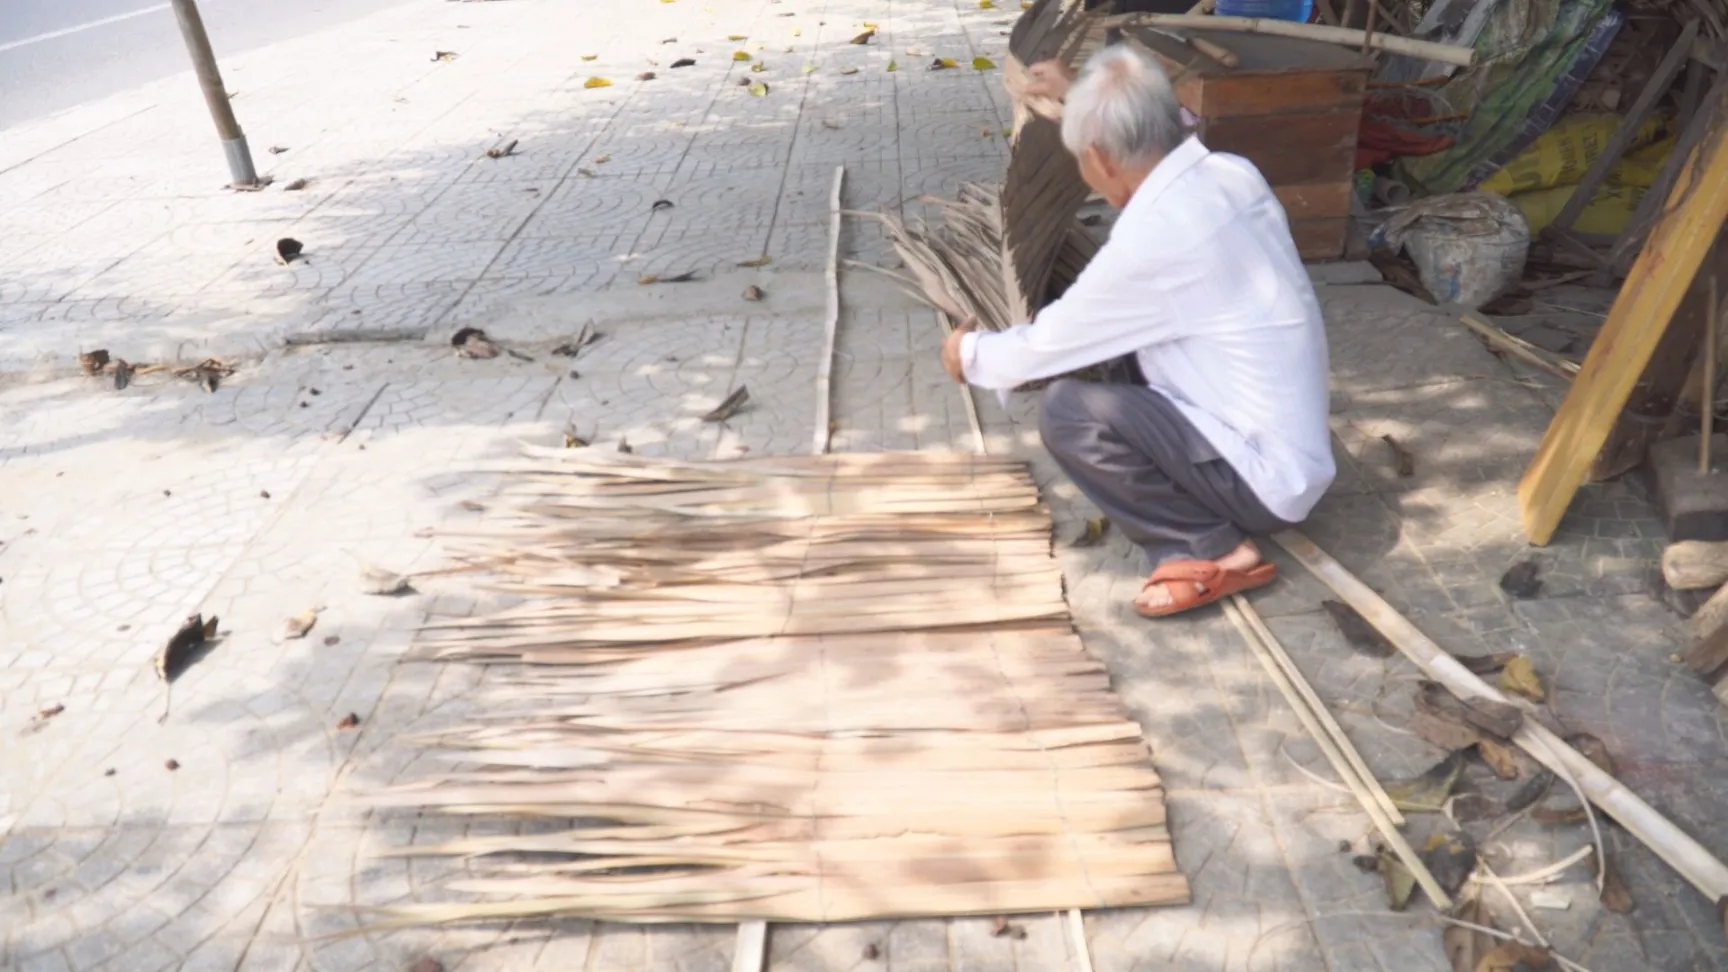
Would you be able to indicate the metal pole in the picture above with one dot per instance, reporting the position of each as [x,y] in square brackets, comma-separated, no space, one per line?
[215,93]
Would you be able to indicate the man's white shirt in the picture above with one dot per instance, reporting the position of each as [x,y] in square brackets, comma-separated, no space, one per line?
[1202,282]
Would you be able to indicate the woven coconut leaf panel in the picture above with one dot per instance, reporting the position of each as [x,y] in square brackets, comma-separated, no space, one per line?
[809,689]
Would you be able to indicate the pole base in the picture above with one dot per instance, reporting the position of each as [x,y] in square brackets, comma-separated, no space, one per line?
[240,170]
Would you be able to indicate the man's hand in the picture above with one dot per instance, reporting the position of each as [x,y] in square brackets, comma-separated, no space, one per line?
[1049,79]
[951,350]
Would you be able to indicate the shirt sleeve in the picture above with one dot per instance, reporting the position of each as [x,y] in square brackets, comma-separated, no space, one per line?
[1122,302]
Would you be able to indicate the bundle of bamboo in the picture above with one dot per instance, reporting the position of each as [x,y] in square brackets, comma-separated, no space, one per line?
[812,689]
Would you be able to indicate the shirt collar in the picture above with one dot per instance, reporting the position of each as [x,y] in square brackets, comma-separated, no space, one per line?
[1170,168]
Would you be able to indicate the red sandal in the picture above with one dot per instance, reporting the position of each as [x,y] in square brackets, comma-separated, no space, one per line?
[1193,583]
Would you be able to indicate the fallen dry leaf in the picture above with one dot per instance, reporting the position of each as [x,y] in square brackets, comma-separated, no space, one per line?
[471,342]
[684,62]
[1502,759]
[1615,896]
[863,38]
[296,627]
[1092,533]
[1519,676]
[660,204]
[730,406]
[502,150]
[1400,883]
[943,64]
[380,581]
[754,292]
[646,76]
[1523,580]
[1450,857]
[349,721]
[758,90]
[588,57]
[1427,793]
[445,55]
[93,362]
[893,65]
[740,56]
[758,67]
[602,159]
[171,765]
[1516,957]
[122,374]
[288,250]
[983,64]
[296,185]
[760,261]
[572,441]
[1465,947]
[596,83]
[1403,460]
[1486,664]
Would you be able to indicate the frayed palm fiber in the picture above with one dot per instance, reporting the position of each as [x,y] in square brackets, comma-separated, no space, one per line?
[806,689]
[1000,253]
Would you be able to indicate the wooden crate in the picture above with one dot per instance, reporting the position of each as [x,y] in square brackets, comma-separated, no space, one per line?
[1291,107]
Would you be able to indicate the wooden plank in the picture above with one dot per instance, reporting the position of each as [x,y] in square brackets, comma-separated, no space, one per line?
[1278,93]
[1641,314]
[1297,149]
[1653,90]
[1316,200]
[1320,239]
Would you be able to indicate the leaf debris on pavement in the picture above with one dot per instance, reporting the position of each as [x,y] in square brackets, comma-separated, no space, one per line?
[1427,793]
[596,83]
[445,55]
[183,649]
[289,249]
[759,89]
[40,719]
[1519,677]
[684,62]
[381,581]
[471,342]
[296,185]
[983,64]
[660,204]
[646,76]
[652,278]
[730,406]
[349,721]
[296,627]
[756,262]
[1093,532]
[943,64]
[501,151]
[1523,580]
[277,149]
[93,362]
[754,293]
[1403,460]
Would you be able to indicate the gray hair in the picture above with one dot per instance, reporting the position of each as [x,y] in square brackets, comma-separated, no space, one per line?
[1122,104]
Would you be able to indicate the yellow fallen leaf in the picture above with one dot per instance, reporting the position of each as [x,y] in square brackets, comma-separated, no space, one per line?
[589,57]
[596,83]
[1520,676]
[893,66]
[737,37]
[758,67]
[647,278]
[760,261]
[740,56]
[869,26]
[809,69]
[986,5]
[1007,133]
[982,64]
[758,89]
[850,70]
[943,63]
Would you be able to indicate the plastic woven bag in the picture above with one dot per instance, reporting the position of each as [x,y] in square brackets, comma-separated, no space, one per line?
[1469,248]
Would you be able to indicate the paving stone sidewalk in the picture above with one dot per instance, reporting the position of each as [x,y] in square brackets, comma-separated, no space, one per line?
[120,512]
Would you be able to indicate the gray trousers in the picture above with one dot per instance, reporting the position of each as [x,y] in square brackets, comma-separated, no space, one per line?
[1151,472]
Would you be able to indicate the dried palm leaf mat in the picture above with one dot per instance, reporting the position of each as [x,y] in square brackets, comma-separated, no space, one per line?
[805,689]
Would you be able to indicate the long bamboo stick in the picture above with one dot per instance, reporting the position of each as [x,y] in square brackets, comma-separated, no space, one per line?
[1347,771]
[1685,855]
[1344,36]
[825,367]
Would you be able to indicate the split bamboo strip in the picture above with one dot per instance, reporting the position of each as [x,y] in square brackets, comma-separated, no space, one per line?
[1345,36]
[1696,864]
[831,327]
[813,689]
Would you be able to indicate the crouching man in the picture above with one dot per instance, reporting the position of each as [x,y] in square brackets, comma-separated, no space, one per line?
[1222,432]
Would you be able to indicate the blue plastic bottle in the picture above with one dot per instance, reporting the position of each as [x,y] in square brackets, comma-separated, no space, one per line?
[1297,10]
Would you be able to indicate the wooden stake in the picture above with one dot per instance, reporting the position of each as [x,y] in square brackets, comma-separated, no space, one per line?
[825,367]
[1077,933]
[1707,415]
[1685,855]
[751,955]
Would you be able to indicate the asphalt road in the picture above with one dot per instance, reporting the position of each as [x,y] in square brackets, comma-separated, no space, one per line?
[55,54]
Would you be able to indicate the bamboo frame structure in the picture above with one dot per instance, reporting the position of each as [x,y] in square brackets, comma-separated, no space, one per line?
[806,689]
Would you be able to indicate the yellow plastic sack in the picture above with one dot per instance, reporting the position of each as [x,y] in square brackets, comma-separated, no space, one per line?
[1639,168]
[1607,214]
[1561,155]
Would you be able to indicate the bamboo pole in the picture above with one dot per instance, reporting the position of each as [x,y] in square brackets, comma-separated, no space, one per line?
[1685,855]
[1520,348]
[1335,755]
[825,367]
[1344,36]
[751,954]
